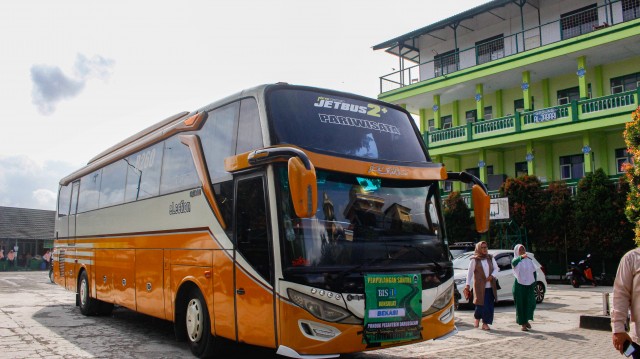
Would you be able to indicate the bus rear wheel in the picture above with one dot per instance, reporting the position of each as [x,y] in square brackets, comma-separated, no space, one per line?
[198,325]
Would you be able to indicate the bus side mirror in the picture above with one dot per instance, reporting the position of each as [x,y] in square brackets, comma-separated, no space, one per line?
[303,187]
[481,205]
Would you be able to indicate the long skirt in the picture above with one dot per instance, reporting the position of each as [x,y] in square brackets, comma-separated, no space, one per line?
[485,311]
[525,301]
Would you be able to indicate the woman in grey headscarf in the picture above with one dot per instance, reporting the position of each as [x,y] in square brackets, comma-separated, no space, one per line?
[523,288]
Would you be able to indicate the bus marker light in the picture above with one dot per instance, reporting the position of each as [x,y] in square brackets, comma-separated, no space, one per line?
[207,274]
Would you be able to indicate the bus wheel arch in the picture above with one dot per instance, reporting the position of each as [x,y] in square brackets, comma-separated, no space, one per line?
[192,321]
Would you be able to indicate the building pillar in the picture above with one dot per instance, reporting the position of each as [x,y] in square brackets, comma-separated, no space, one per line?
[587,153]
[548,157]
[499,112]
[455,116]
[604,151]
[424,126]
[436,112]
[480,102]
[546,98]
[526,81]
[531,159]
[455,167]
[482,160]
[598,83]
[582,76]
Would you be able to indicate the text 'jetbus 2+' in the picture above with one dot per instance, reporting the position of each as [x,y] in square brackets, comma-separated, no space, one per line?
[294,218]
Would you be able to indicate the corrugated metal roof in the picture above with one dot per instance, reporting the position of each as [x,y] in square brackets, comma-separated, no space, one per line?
[443,23]
[25,223]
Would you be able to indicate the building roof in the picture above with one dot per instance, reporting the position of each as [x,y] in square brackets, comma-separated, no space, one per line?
[391,45]
[25,223]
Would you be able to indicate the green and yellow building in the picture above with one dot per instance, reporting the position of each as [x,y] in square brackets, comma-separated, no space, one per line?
[512,87]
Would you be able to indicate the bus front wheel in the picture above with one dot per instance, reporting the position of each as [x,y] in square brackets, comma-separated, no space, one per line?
[88,305]
[198,325]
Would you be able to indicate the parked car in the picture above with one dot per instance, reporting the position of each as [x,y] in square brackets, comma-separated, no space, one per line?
[461,247]
[505,275]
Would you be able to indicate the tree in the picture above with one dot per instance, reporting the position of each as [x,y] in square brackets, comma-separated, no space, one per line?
[600,217]
[631,136]
[457,219]
[557,217]
[525,203]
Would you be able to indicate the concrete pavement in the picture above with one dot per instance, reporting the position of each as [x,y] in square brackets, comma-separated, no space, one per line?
[39,320]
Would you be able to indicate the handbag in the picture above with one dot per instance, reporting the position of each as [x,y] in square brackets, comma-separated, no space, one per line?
[498,284]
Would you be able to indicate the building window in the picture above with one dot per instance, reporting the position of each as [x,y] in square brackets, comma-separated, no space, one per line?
[522,169]
[622,157]
[431,125]
[448,186]
[490,49]
[625,83]
[488,113]
[446,63]
[518,105]
[630,9]
[572,167]
[471,116]
[447,121]
[567,95]
[578,22]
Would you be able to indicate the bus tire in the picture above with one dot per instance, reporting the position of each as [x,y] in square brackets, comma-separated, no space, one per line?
[88,305]
[198,325]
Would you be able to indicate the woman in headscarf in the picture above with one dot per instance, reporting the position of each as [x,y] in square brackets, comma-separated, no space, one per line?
[523,288]
[482,274]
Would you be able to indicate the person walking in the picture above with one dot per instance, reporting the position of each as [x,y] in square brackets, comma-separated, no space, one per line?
[626,297]
[482,273]
[523,288]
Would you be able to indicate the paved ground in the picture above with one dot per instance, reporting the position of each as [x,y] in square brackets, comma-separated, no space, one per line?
[40,320]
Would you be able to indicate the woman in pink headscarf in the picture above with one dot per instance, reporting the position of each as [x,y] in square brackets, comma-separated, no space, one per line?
[482,276]
[523,288]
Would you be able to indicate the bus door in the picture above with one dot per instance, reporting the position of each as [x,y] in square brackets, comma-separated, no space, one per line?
[68,262]
[255,318]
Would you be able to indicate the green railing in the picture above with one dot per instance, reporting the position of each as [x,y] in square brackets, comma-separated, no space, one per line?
[585,110]
[608,102]
[494,125]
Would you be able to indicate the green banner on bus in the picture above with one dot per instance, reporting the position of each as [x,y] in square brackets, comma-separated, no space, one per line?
[393,307]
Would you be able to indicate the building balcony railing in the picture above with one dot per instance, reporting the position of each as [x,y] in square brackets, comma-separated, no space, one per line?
[583,110]
[612,13]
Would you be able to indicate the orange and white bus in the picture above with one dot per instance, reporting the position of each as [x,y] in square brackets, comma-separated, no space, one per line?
[288,217]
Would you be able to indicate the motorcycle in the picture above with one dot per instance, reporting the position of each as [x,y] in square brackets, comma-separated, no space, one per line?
[581,273]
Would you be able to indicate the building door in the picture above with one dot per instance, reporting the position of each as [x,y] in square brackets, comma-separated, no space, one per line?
[255,318]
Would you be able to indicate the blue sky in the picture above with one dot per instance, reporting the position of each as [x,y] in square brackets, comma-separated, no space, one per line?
[78,76]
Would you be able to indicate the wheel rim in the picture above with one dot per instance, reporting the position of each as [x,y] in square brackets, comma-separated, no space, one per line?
[539,292]
[83,292]
[194,320]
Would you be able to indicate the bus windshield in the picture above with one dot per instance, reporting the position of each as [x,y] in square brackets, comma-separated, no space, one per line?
[345,126]
[362,223]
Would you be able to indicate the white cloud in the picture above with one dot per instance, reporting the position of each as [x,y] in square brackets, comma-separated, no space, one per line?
[26,183]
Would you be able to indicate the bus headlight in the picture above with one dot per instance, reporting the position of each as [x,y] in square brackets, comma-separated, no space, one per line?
[440,302]
[321,309]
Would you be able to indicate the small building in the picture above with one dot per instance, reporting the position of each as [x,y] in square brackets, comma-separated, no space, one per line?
[30,232]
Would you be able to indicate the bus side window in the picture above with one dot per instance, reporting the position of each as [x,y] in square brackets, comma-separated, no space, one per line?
[251,225]
[178,169]
[143,173]
[64,200]
[218,139]
[89,191]
[249,130]
[224,197]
